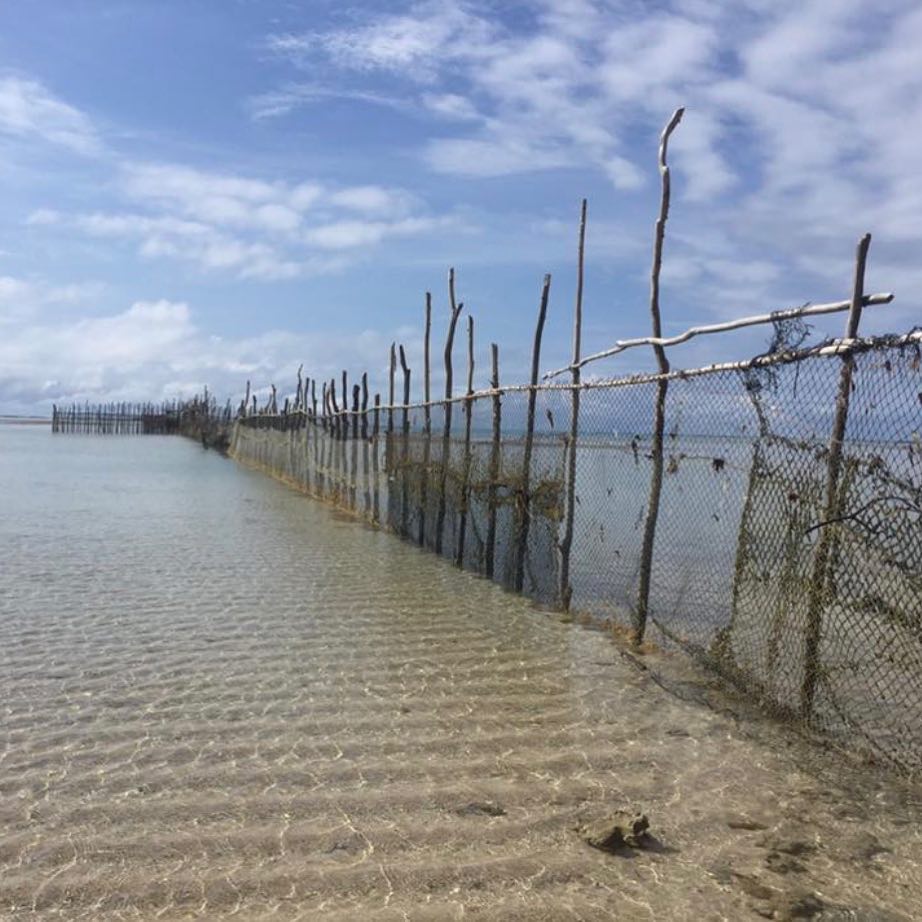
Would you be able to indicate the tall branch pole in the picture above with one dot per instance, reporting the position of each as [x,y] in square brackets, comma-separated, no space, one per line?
[489,550]
[375,430]
[364,404]
[466,471]
[820,582]
[566,543]
[446,432]
[659,411]
[427,424]
[525,490]
[388,438]
[404,446]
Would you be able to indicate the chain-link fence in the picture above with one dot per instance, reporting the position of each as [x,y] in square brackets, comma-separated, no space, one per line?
[809,600]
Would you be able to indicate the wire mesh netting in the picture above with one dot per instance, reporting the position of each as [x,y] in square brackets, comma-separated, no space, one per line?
[797,577]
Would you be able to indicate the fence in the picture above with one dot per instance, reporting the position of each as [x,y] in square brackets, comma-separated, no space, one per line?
[199,417]
[765,515]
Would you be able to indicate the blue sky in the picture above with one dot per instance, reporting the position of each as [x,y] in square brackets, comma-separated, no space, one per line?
[204,192]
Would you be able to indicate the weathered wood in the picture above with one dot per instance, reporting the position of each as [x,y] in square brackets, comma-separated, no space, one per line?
[376,473]
[356,403]
[353,479]
[427,424]
[489,550]
[524,492]
[405,448]
[446,431]
[659,409]
[807,310]
[565,592]
[832,499]
[466,464]
[364,404]
[392,374]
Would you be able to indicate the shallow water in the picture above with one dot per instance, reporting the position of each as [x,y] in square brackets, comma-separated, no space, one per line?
[217,697]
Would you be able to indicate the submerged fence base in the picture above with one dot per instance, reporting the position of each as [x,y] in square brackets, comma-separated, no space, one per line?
[742,513]
[401,483]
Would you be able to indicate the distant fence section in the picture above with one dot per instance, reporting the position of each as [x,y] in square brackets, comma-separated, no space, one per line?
[199,417]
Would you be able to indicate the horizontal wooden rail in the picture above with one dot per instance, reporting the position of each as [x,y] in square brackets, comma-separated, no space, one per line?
[808,310]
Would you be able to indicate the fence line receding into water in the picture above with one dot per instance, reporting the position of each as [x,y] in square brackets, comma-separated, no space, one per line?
[764,514]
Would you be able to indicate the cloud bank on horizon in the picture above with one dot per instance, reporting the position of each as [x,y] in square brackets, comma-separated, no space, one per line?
[200,197]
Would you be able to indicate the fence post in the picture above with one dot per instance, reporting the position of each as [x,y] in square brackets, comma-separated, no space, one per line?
[814,627]
[489,551]
[525,490]
[446,432]
[404,446]
[375,468]
[466,470]
[659,410]
[566,543]
[427,424]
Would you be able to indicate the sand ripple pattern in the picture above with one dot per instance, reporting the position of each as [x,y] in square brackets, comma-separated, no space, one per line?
[218,699]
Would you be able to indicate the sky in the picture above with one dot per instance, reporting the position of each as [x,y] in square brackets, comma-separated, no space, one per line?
[202,192]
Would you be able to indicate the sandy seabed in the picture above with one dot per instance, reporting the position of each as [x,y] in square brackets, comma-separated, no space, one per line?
[336,726]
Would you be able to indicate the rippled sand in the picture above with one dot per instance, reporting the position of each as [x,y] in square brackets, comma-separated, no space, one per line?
[219,698]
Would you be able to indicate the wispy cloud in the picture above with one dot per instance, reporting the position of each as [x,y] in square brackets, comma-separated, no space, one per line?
[250,227]
[29,110]
[801,126]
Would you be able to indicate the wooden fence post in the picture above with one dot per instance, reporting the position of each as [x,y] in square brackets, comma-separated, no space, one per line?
[489,551]
[405,447]
[525,490]
[446,432]
[659,410]
[566,543]
[466,469]
[819,584]
[427,424]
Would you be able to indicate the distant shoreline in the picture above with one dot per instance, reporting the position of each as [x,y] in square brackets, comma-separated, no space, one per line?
[24,420]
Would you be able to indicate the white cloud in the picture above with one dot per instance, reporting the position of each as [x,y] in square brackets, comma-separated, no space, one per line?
[28,110]
[24,299]
[253,228]
[800,132]
[154,350]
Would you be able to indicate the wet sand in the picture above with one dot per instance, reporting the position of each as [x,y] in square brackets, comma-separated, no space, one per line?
[284,715]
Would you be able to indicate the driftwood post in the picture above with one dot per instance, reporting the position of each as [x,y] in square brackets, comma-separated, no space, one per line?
[525,490]
[446,432]
[831,511]
[427,424]
[392,373]
[334,409]
[354,477]
[375,430]
[566,543]
[489,551]
[659,411]
[364,404]
[366,477]
[344,420]
[405,448]
[466,470]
